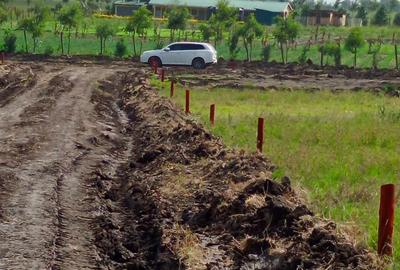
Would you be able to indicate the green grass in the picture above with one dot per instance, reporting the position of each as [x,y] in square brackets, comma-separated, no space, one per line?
[339,148]
[89,45]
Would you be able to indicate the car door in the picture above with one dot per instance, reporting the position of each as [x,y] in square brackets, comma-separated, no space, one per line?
[173,55]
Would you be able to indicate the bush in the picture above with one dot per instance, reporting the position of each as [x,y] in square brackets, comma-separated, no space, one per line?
[233,45]
[303,55]
[333,50]
[120,48]
[396,20]
[266,53]
[48,50]
[381,17]
[10,42]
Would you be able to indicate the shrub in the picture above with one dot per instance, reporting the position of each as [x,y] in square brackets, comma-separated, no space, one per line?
[10,42]
[233,45]
[266,53]
[381,16]
[333,50]
[48,50]
[120,48]
[396,20]
[303,55]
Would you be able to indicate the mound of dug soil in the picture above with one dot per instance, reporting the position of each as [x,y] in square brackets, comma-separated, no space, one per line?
[191,203]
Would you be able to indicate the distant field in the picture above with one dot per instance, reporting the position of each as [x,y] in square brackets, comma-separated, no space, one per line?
[90,45]
[337,148]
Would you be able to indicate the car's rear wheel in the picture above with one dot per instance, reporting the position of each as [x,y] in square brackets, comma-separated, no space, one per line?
[155,61]
[198,63]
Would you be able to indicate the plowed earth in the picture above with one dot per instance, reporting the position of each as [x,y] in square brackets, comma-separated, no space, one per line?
[97,171]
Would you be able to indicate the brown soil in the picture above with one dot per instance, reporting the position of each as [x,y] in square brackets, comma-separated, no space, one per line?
[99,172]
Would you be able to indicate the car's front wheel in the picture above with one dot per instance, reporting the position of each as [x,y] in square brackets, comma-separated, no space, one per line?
[198,63]
[154,61]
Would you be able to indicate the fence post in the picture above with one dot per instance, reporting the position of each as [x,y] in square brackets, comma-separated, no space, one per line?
[386,219]
[260,134]
[187,105]
[171,92]
[396,56]
[162,74]
[212,114]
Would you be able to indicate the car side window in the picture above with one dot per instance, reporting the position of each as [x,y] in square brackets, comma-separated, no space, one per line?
[175,47]
[191,47]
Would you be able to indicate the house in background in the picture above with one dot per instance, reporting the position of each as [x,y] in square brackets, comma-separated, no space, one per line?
[126,8]
[326,17]
[265,11]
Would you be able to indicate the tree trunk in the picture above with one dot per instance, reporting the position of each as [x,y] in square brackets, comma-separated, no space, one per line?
[355,57]
[69,40]
[283,57]
[104,45]
[26,42]
[247,49]
[101,46]
[134,44]
[141,46]
[286,52]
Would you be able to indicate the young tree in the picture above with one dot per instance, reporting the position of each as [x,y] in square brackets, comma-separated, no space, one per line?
[223,18]
[396,20]
[25,25]
[206,31]
[69,18]
[285,31]
[251,30]
[103,31]
[177,20]
[373,49]
[381,16]
[353,42]
[363,15]
[3,15]
[138,23]
[34,25]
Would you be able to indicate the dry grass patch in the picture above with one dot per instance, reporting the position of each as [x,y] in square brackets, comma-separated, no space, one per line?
[188,248]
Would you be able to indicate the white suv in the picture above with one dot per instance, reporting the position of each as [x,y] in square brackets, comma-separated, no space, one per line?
[198,55]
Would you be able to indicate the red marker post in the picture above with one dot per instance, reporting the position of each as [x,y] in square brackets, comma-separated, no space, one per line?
[260,134]
[212,114]
[187,105]
[162,74]
[386,220]
[171,92]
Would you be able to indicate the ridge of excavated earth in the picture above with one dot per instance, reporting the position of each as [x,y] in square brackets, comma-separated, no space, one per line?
[98,171]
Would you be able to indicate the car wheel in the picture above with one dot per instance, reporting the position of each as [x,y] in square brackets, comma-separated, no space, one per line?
[198,63]
[155,61]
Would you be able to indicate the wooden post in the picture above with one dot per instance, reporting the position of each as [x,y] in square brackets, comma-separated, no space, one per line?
[212,114]
[162,74]
[260,134]
[187,105]
[386,220]
[2,58]
[171,92]
[396,56]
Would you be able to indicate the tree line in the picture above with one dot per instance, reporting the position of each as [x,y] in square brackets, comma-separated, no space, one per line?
[223,26]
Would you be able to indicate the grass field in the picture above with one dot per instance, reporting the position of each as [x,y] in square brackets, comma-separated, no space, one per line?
[337,148]
[89,45]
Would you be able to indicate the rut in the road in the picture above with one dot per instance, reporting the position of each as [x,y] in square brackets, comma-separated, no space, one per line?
[52,139]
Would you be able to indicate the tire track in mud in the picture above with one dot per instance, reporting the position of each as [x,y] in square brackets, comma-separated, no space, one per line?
[46,215]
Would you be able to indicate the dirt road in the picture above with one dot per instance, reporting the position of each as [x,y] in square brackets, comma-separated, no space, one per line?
[99,172]
[51,134]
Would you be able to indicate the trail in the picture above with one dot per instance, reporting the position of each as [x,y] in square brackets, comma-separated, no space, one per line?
[47,155]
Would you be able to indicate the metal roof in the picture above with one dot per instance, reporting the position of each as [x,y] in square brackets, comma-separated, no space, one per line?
[273,6]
